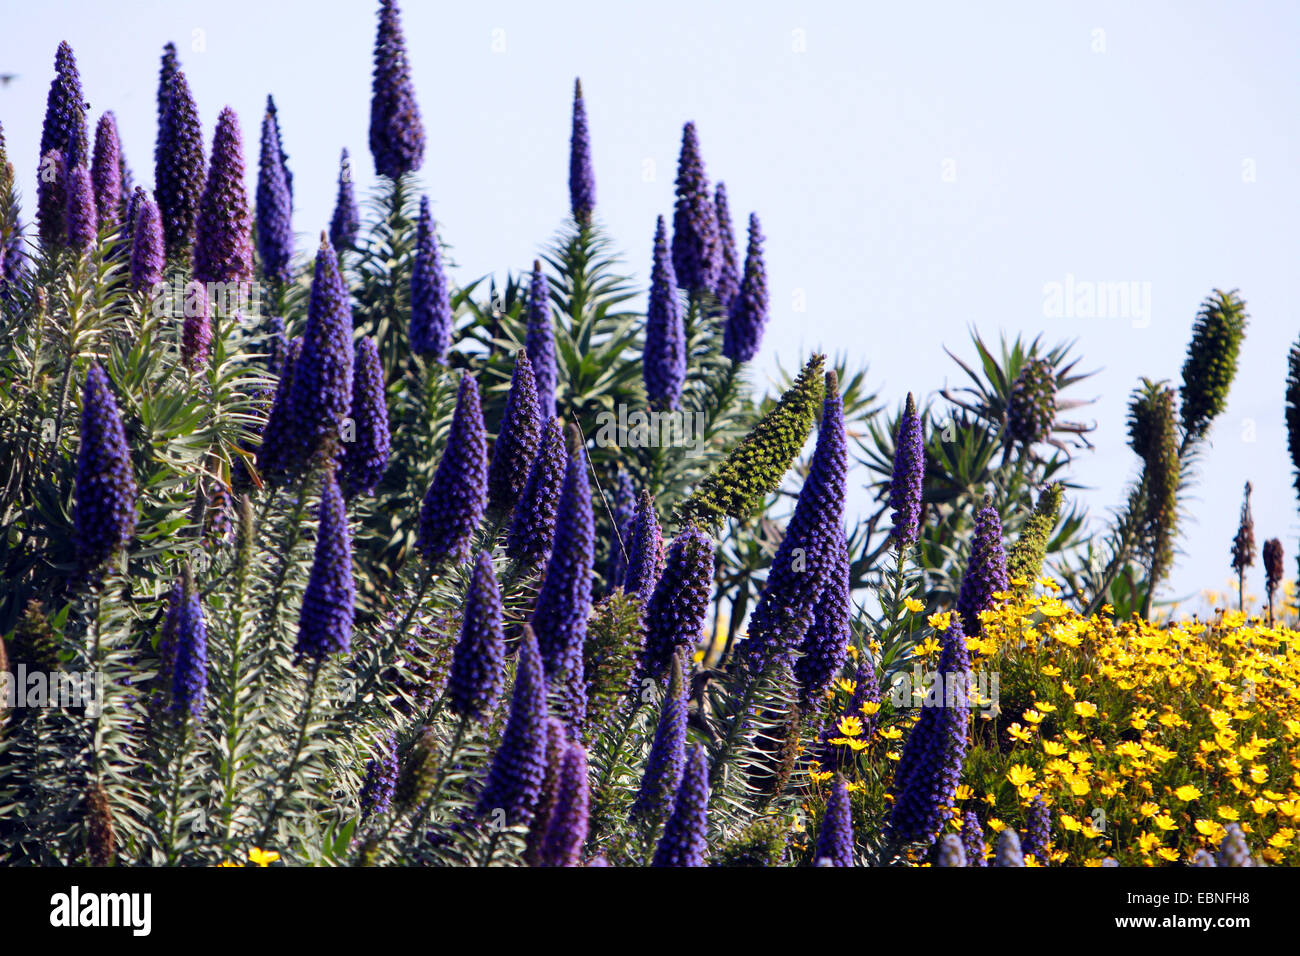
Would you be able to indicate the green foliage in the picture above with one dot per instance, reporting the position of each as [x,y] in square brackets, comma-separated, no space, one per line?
[615,637]
[1212,360]
[762,843]
[1025,558]
[756,467]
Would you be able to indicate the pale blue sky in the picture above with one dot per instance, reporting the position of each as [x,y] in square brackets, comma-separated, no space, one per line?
[1108,156]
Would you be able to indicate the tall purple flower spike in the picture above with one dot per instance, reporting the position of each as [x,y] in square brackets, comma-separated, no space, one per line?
[697,252]
[457,496]
[825,646]
[747,316]
[396,132]
[582,182]
[729,264]
[667,759]
[322,380]
[566,831]
[645,561]
[147,258]
[363,459]
[532,530]
[986,571]
[477,667]
[223,243]
[679,605]
[835,840]
[104,510]
[189,653]
[325,621]
[431,317]
[564,601]
[178,168]
[664,362]
[807,554]
[518,436]
[539,341]
[684,839]
[106,172]
[905,486]
[274,204]
[82,222]
[925,783]
[64,133]
[514,781]
[346,222]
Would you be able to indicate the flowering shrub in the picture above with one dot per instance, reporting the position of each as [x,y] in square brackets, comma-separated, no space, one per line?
[318,557]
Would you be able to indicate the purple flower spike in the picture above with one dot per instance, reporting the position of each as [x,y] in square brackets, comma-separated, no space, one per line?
[684,839]
[82,222]
[274,204]
[167,69]
[346,222]
[106,172]
[533,527]
[517,438]
[697,253]
[104,512]
[477,667]
[925,783]
[364,458]
[620,536]
[645,560]
[807,554]
[178,168]
[430,300]
[557,742]
[380,781]
[986,571]
[196,331]
[567,830]
[146,245]
[909,472]
[64,133]
[52,200]
[322,381]
[667,760]
[564,601]
[325,621]
[280,454]
[679,605]
[664,364]
[729,268]
[514,781]
[1038,831]
[972,838]
[396,133]
[835,839]
[457,496]
[223,245]
[65,111]
[748,313]
[132,212]
[826,644]
[279,146]
[539,341]
[189,652]
[582,183]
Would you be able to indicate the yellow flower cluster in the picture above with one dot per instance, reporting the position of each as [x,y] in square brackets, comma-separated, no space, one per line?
[1145,738]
